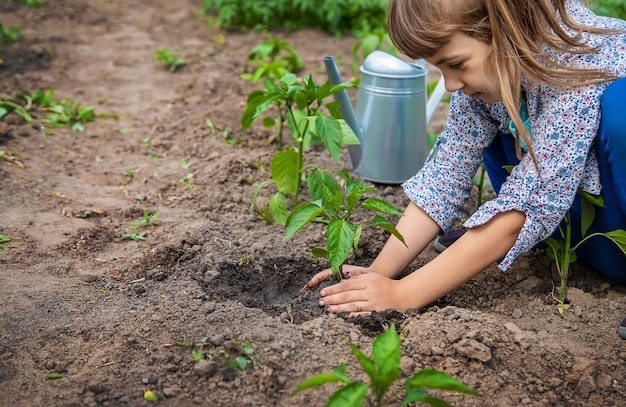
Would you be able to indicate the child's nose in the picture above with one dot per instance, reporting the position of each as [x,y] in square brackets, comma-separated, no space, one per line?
[452,83]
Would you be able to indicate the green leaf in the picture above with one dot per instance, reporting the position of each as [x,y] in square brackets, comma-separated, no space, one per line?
[588,213]
[554,248]
[383,223]
[348,136]
[417,394]
[337,375]
[319,253]
[285,171]
[350,395]
[278,208]
[302,214]
[255,108]
[619,238]
[322,185]
[433,379]
[379,205]
[386,355]
[339,238]
[329,130]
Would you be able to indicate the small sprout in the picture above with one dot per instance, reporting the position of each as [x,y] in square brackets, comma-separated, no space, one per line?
[133,236]
[148,219]
[169,58]
[245,260]
[54,376]
[210,125]
[129,174]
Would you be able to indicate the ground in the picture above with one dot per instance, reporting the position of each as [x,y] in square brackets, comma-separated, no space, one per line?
[115,317]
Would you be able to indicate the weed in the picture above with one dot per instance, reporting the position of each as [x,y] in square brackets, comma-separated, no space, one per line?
[383,370]
[169,58]
[333,205]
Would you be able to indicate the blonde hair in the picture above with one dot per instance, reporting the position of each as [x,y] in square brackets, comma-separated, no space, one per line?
[516,31]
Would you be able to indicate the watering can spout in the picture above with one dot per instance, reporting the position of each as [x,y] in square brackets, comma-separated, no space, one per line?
[345,107]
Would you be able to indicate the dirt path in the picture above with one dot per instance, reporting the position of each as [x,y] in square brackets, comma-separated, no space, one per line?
[106,313]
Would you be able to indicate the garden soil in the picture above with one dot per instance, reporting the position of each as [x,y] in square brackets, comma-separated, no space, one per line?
[114,317]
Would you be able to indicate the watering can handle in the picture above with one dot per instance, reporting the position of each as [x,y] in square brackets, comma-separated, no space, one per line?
[434,99]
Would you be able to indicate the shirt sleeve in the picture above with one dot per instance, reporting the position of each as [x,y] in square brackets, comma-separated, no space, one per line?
[445,181]
[562,136]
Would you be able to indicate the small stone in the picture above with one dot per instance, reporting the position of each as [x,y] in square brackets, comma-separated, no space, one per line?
[473,350]
[205,368]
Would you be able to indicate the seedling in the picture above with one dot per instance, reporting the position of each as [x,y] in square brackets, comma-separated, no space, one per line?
[564,253]
[303,103]
[237,355]
[335,206]
[6,239]
[169,58]
[54,376]
[383,370]
[8,35]
[148,219]
[133,236]
[273,59]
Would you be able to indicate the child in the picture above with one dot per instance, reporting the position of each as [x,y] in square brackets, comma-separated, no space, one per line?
[535,85]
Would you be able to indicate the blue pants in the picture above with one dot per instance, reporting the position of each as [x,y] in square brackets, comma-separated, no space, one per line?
[598,252]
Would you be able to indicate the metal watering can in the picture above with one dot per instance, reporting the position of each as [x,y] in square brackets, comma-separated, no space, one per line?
[392,114]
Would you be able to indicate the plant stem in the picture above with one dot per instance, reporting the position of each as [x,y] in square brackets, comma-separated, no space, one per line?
[481,185]
[565,261]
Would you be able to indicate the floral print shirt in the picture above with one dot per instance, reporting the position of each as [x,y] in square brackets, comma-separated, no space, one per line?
[564,123]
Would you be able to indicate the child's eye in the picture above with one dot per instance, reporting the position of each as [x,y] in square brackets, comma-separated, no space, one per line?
[458,65]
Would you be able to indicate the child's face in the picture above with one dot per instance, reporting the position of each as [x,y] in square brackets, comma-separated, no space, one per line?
[462,63]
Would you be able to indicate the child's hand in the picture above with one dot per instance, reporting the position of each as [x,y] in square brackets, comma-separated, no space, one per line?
[319,278]
[362,292]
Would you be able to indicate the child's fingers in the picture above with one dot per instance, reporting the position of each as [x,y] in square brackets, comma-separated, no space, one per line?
[316,280]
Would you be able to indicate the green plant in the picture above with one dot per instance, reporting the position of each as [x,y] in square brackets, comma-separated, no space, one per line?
[6,239]
[273,59]
[611,8]
[31,3]
[564,253]
[383,370]
[303,103]
[147,219]
[332,16]
[369,41]
[169,58]
[335,206]
[8,35]
[236,354]
[132,236]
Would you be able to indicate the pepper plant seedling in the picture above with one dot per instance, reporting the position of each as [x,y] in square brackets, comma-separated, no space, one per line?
[564,253]
[383,370]
[273,59]
[303,101]
[333,205]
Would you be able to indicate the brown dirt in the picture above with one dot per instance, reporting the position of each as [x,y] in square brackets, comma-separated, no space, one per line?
[106,312]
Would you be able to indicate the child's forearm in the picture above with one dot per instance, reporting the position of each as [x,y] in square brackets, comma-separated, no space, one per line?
[418,230]
[473,252]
